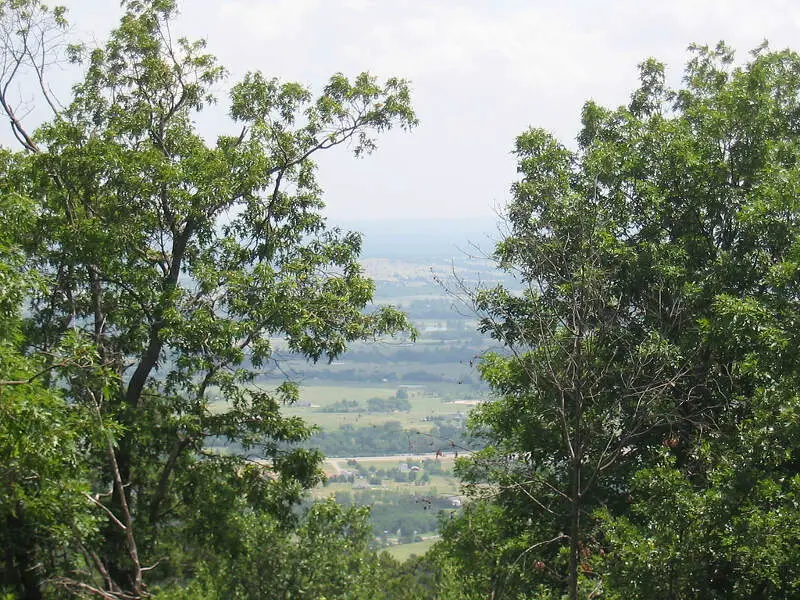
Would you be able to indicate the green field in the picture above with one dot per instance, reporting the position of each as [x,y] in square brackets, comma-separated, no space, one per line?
[402,498]
[425,403]
[442,483]
[403,552]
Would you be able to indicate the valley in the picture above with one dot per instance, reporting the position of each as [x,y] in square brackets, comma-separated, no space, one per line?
[390,415]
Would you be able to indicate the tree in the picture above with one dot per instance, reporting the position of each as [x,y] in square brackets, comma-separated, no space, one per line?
[733,213]
[44,481]
[178,262]
[653,337]
[585,380]
[327,556]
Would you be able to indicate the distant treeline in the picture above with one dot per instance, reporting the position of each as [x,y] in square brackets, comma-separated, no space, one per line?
[340,375]
[373,405]
[446,353]
[439,309]
[393,513]
[447,435]
[377,440]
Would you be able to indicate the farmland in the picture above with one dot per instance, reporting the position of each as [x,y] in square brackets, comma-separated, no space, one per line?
[390,415]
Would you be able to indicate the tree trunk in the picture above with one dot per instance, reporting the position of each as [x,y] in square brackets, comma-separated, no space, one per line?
[574,529]
[19,566]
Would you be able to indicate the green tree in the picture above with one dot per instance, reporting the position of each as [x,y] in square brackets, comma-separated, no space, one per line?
[179,261]
[46,516]
[653,345]
[585,379]
[328,555]
[416,577]
[727,168]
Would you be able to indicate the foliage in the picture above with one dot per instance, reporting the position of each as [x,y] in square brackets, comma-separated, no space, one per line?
[653,347]
[172,262]
[398,512]
[388,438]
[375,440]
[43,507]
[327,556]
[343,406]
[45,513]
[374,405]
[731,537]
[388,405]
[415,578]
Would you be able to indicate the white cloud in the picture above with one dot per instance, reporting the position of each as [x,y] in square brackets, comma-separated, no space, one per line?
[481,73]
[268,20]
[359,4]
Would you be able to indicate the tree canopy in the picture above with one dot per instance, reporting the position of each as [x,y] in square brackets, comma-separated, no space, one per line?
[643,440]
[166,266]
[643,437]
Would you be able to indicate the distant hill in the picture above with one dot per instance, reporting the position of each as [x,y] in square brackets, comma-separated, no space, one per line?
[424,238]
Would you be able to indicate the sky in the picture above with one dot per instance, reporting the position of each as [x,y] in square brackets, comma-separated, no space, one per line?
[481,72]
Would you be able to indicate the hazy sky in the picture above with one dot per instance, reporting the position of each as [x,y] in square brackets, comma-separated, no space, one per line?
[481,72]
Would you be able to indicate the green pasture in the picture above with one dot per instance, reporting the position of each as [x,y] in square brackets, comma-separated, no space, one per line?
[439,485]
[403,552]
[424,404]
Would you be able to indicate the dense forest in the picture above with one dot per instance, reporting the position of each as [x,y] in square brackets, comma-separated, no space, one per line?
[643,437]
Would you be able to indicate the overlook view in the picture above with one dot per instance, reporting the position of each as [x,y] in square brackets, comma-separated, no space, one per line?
[386,300]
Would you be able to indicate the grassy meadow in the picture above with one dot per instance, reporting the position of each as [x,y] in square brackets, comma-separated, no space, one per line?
[426,403]
[403,552]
